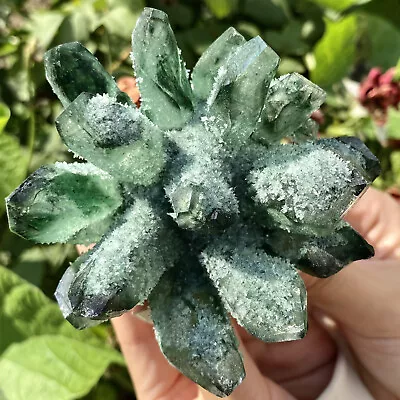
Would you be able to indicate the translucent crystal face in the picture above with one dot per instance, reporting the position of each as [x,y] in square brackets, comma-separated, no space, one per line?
[191,200]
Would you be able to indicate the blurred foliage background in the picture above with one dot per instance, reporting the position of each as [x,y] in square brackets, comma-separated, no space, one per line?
[335,43]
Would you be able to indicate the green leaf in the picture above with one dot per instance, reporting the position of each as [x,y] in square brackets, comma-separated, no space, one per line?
[135,6]
[106,390]
[265,12]
[44,26]
[387,9]
[52,367]
[51,147]
[180,15]
[82,20]
[383,42]
[4,116]
[56,254]
[285,5]
[9,45]
[25,311]
[339,5]
[395,164]
[397,72]
[222,8]
[393,124]
[78,25]
[120,20]
[57,202]
[9,332]
[30,265]
[248,29]
[289,65]
[288,41]
[13,164]
[201,36]
[335,52]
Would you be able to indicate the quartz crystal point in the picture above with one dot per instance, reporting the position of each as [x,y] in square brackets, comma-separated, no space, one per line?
[71,70]
[320,256]
[214,58]
[113,137]
[162,76]
[265,294]
[290,101]
[249,70]
[306,188]
[117,274]
[193,202]
[188,315]
[59,203]
[199,191]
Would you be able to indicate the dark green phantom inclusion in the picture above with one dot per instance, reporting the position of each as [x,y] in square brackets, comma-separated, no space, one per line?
[193,202]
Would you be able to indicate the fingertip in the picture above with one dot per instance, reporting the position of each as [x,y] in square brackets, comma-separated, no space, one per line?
[153,376]
[363,297]
[131,330]
[376,217]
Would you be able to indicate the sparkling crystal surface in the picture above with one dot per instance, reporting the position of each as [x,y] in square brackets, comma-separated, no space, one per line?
[320,256]
[306,188]
[194,330]
[71,69]
[290,101]
[75,197]
[161,74]
[265,294]
[193,202]
[113,136]
[214,58]
[118,274]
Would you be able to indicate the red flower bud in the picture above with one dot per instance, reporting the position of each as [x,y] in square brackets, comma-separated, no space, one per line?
[378,92]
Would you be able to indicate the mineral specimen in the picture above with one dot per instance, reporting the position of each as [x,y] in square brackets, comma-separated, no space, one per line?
[192,200]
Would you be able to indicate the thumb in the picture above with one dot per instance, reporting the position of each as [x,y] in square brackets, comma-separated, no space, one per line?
[364,296]
[376,217]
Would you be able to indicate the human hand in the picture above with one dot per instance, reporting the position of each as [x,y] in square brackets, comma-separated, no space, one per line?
[363,299]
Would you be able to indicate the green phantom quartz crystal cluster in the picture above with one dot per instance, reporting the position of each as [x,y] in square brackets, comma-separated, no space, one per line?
[193,202]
